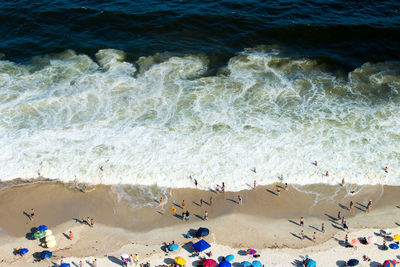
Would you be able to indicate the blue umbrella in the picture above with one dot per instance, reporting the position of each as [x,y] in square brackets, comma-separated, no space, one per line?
[352,262]
[201,245]
[202,232]
[42,228]
[256,264]
[246,264]
[394,246]
[230,257]
[225,264]
[173,247]
[311,263]
[23,251]
[65,265]
[45,254]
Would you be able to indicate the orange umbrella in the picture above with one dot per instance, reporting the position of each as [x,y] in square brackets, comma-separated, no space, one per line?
[355,242]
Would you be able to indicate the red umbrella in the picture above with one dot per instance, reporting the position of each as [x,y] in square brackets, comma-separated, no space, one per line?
[389,263]
[209,263]
[251,251]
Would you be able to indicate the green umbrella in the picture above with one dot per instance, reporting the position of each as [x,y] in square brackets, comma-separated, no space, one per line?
[39,234]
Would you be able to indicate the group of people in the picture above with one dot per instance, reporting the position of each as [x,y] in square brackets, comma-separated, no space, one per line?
[88,221]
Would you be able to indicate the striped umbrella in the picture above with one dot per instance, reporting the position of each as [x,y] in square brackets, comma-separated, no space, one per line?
[251,251]
[389,263]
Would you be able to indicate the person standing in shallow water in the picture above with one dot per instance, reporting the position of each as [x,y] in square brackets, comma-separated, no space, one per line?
[255,184]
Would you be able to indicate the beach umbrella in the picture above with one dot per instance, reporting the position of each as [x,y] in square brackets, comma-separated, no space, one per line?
[201,232]
[245,264]
[23,251]
[225,264]
[49,238]
[209,263]
[396,237]
[39,234]
[48,232]
[355,242]
[45,254]
[256,264]
[65,265]
[311,263]
[180,260]
[371,239]
[389,263]
[51,244]
[394,246]
[42,228]
[352,262]
[173,247]
[125,256]
[201,245]
[251,251]
[230,257]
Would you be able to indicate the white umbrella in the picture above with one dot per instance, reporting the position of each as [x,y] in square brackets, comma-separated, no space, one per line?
[125,256]
[48,232]
[51,244]
[49,238]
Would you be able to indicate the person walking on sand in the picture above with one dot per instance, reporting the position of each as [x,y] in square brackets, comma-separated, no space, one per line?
[70,235]
[240,200]
[91,222]
[206,216]
[136,258]
[278,190]
[302,234]
[342,220]
[343,182]
[160,200]
[80,264]
[314,237]
[183,204]
[211,201]
[94,263]
[351,207]
[173,210]
[201,202]
[369,205]
[217,189]
[31,214]
[323,228]
[286,186]
[187,216]
[254,170]
[183,216]
[301,221]
[223,187]
[255,184]
[339,216]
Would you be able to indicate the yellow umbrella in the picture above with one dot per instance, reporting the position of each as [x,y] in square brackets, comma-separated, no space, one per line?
[397,237]
[180,260]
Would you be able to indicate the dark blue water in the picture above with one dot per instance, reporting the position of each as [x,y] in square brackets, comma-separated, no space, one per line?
[339,33]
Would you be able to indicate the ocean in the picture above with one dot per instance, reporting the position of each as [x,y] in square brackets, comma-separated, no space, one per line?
[149,93]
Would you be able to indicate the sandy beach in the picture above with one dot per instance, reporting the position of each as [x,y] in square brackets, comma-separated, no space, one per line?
[266,222]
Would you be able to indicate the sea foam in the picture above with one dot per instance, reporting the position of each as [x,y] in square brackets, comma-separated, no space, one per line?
[163,118]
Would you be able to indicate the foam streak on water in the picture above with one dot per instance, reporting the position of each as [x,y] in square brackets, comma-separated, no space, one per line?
[160,119]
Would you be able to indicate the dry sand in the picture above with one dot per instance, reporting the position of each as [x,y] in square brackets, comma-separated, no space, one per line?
[265,222]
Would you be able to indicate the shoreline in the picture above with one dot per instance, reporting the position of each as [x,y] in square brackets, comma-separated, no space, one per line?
[263,221]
